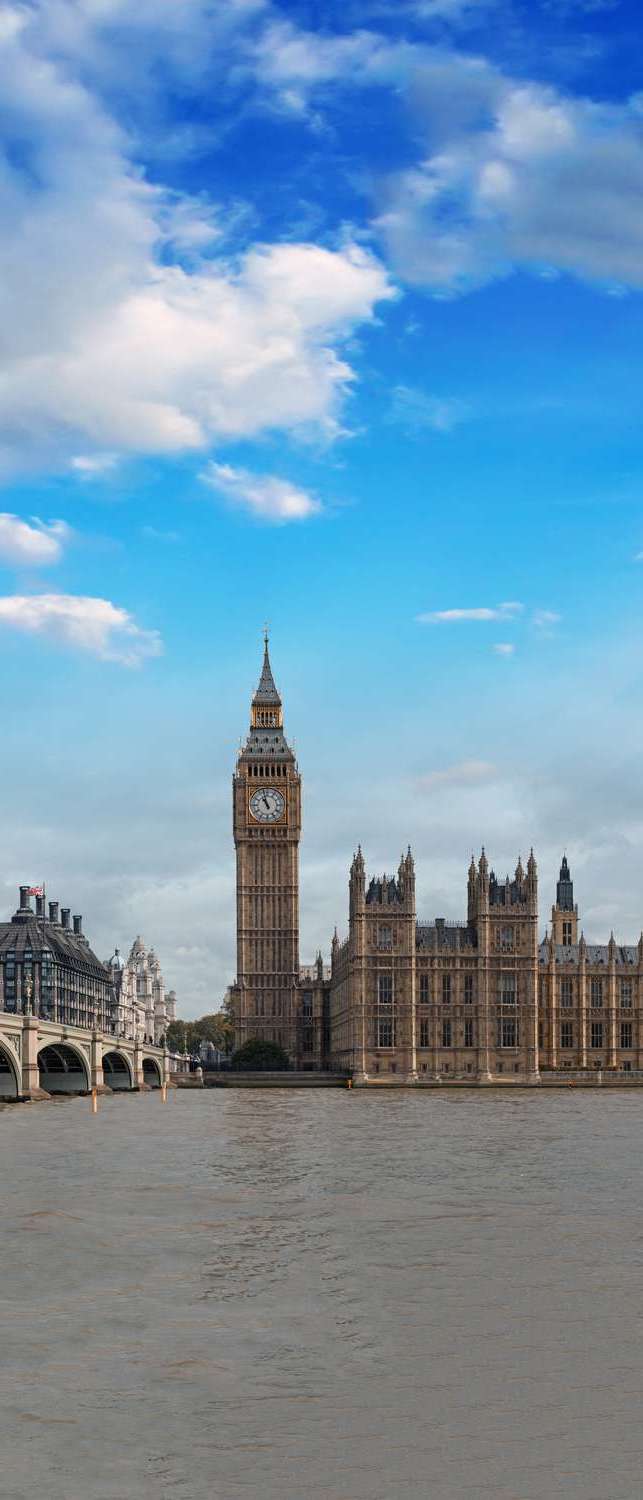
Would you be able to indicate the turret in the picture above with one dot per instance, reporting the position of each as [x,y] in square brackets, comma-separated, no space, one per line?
[357,881]
[564,914]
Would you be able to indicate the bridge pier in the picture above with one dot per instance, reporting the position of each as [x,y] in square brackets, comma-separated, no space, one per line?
[30,1067]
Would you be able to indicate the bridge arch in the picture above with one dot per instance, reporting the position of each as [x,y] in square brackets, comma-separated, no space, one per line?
[152,1072]
[10,1082]
[117,1071]
[64,1069]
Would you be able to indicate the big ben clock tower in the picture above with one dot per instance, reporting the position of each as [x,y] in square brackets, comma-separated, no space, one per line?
[267,829]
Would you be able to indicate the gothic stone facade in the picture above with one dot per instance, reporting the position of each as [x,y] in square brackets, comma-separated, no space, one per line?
[406,1000]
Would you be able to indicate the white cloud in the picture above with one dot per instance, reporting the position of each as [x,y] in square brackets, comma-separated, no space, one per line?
[639,557]
[93,625]
[452,616]
[543,619]
[38,544]
[504,648]
[467,773]
[515,174]
[416,410]
[265,495]
[118,347]
[93,465]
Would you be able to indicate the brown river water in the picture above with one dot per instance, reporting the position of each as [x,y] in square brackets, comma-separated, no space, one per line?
[249,1295]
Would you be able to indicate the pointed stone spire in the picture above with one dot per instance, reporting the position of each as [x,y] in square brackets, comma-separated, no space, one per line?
[520,874]
[611,948]
[582,946]
[531,864]
[266,694]
[484,863]
[472,871]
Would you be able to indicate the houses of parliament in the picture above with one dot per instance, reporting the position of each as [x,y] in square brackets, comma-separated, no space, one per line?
[404,1001]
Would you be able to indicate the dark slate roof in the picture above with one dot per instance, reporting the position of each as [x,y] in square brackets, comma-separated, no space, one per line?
[271,742]
[506,893]
[267,692]
[383,892]
[65,945]
[451,936]
[596,954]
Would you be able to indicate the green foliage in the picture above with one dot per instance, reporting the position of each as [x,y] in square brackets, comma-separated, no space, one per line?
[257,1056]
[185,1036]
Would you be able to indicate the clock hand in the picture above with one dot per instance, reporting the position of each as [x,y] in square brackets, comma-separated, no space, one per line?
[266,802]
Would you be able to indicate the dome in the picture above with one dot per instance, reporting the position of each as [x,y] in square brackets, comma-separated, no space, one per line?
[116,961]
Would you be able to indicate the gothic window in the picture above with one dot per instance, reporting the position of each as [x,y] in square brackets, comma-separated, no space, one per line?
[424,1034]
[566,1034]
[626,994]
[385,989]
[566,992]
[425,994]
[541,1034]
[468,989]
[307,1004]
[507,939]
[596,1034]
[446,995]
[507,993]
[384,937]
[385,1033]
[446,1033]
[626,1034]
[468,1033]
[567,934]
[596,993]
[507,1032]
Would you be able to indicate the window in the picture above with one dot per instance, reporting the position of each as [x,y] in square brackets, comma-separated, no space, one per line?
[626,1034]
[385,989]
[596,1038]
[507,1032]
[567,934]
[626,994]
[385,938]
[468,1033]
[541,1034]
[309,1038]
[507,939]
[425,994]
[566,1034]
[384,1033]
[424,1034]
[307,1004]
[446,1033]
[446,992]
[507,992]
[566,992]
[596,991]
[468,989]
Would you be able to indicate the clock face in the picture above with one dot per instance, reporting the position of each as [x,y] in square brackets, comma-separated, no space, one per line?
[267,805]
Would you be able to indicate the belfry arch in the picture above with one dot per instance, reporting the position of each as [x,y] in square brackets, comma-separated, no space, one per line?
[63,1069]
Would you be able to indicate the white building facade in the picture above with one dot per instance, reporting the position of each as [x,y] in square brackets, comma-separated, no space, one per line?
[144,1008]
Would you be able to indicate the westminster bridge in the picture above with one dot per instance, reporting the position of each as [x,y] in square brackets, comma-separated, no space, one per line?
[40,1057]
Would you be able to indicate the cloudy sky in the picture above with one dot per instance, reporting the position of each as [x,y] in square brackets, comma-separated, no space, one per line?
[327,314]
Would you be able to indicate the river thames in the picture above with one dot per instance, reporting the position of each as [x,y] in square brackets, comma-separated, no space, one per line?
[329,1294]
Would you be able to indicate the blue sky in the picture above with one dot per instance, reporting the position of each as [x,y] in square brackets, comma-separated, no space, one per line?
[328,315]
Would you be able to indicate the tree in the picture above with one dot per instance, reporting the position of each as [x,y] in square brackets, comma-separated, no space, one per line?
[257,1056]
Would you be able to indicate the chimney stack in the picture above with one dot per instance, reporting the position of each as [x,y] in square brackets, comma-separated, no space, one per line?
[53,911]
[40,906]
[78,926]
[25,898]
[65,914]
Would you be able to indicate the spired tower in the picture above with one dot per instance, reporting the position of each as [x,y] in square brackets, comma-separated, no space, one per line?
[266,793]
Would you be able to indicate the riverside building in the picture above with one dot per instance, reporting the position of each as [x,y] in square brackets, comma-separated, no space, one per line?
[407,1000]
